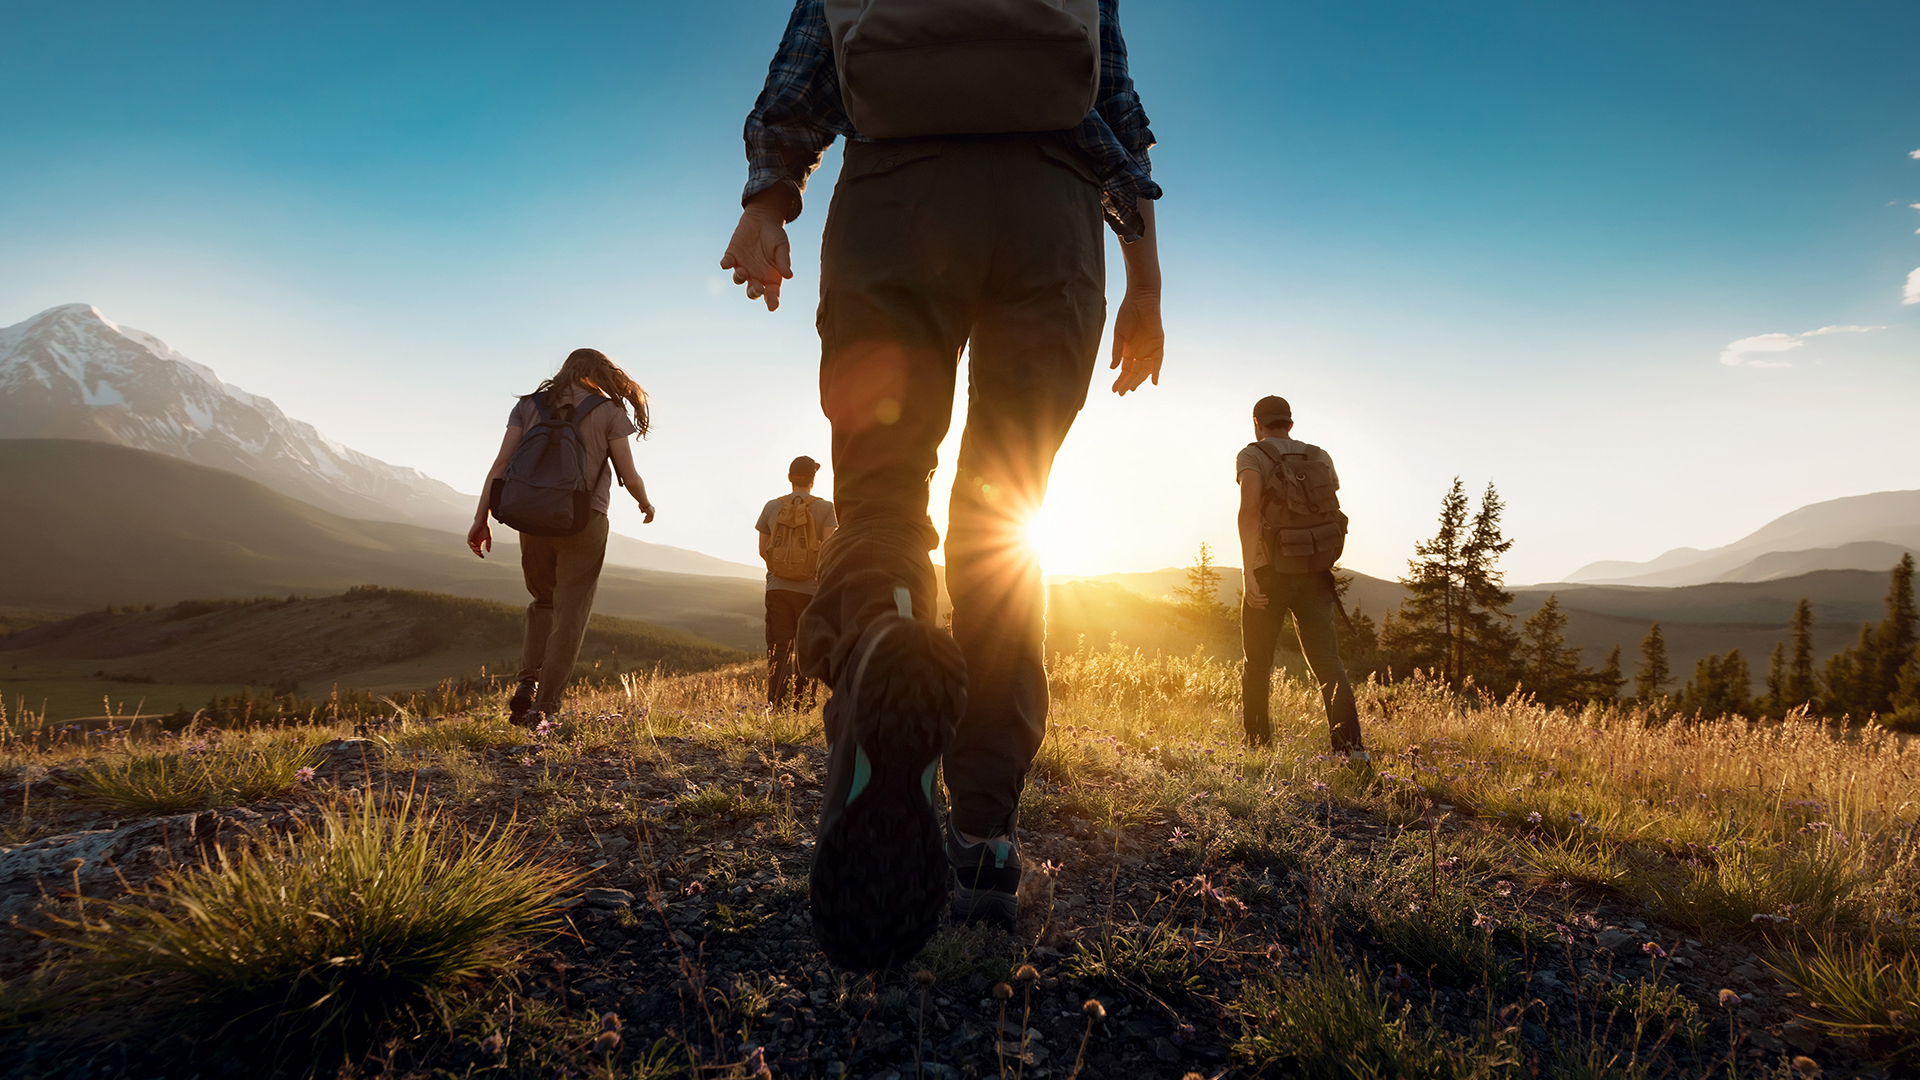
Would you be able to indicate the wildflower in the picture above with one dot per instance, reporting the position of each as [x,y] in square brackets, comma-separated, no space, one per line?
[493,1045]
[1179,834]
[1050,868]
[1576,817]
[1026,975]
[1182,1034]
[619,806]
[1533,818]
[1094,1010]
[1728,999]
[757,1064]
[527,761]
[1413,908]
[696,887]
[1653,949]
[1482,921]
[1319,785]
[304,774]
[1200,796]
[1503,888]
[1002,992]
[1274,952]
[1563,932]
[923,979]
[1806,1066]
[610,1022]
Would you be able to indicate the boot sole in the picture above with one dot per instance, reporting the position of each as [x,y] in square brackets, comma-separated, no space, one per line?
[879,878]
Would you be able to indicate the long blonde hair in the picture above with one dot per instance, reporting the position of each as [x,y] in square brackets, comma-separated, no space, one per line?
[591,370]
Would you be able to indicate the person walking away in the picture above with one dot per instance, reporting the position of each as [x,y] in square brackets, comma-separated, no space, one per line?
[792,528]
[551,482]
[1291,533]
[985,145]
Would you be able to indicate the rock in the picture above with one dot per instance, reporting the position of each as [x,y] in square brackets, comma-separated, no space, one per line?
[1613,939]
[684,938]
[1165,1050]
[1801,1035]
[137,851]
[937,1071]
[348,750]
[608,898]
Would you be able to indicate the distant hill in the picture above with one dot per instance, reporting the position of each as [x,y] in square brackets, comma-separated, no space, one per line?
[382,640]
[1822,536]
[72,373]
[92,524]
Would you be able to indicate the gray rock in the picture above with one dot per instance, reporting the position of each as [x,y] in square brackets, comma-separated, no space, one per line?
[1165,1050]
[1613,939]
[608,898]
[31,871]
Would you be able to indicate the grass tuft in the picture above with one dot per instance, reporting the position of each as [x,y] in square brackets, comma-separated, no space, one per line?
[151,782]
[321,938]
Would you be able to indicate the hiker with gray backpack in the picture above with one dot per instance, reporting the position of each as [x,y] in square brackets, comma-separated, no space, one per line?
[552,483]
[986,142]
[792,528]
[1292,532]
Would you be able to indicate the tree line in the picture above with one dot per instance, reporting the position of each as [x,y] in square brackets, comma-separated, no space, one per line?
[1456,626]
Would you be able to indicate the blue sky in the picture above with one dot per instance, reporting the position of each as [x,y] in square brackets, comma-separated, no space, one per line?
[1505,241]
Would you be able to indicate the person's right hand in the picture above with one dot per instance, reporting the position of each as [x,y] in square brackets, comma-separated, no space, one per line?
[480,537]
[1254,597]
[758,253]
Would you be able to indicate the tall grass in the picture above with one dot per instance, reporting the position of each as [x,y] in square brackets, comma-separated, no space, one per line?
[317,940]
[159,782]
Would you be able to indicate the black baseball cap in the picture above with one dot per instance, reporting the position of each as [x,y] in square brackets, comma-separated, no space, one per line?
[803,466]
[1273,411]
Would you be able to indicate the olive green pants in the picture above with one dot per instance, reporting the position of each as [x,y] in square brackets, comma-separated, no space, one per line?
[562,573]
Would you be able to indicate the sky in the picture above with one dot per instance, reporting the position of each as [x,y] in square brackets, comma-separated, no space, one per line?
[1653,270]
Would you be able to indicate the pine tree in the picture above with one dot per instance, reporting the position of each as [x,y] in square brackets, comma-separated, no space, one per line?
[1429,618]
[1800,687]
[1454,621]
[1606,684]
[1896,635]
[1654,674]
[1548,668]
[1201,593]
[1776,704]
[1721,686]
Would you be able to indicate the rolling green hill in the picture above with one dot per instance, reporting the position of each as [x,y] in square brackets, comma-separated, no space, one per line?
[91,525]
[366,639]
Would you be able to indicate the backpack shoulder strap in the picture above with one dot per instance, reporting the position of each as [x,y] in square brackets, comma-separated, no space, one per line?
[541,413]
[1266,451]
[592,402]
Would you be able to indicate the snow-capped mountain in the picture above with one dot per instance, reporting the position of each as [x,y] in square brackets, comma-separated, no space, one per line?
[72,373]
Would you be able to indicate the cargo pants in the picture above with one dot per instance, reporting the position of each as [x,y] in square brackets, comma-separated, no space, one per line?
[562,574]
[1311,599]
[992,244]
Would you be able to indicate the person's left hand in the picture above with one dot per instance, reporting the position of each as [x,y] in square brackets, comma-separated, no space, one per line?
[480,538]
[1139,341]
[647,509]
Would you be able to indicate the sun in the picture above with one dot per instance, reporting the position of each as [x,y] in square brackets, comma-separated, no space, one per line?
[1049,538]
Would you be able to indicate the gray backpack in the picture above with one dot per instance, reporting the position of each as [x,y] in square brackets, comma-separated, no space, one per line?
[545,491]
[965,67]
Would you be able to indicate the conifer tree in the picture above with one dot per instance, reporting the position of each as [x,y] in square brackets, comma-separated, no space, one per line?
[1454,621]
[1201,593]
[1896,635]
[1800,687]
[1654,674]
[1776,704]
[1605,686]
[1548,668]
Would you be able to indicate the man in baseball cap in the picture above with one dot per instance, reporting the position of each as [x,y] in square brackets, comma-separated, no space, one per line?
[792,528]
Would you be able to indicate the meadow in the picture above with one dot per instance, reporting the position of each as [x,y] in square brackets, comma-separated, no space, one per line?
[1512,890]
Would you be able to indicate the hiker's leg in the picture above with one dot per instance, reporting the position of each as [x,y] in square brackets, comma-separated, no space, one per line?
[1033,351]
[783,620]
[538,563]
[1259,632]
[899,273]
[1311,599]
[577,576]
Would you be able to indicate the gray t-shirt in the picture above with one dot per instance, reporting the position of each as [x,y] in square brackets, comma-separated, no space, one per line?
[601,427]
[823,520]
[1251,458]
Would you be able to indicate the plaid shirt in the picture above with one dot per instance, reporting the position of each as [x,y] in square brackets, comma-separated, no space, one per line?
[799,112]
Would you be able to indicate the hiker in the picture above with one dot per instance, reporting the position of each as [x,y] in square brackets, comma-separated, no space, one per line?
[550,482]
[792,528]
[1291,534]
[983,149]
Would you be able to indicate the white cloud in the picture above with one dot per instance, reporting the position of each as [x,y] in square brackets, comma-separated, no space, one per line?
[1737,354]
[1913,289]
[1915,155]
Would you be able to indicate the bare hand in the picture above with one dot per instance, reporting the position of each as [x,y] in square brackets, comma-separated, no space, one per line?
[758,253]
[480,538]
[1254,597]
[1139,342]
[647,509]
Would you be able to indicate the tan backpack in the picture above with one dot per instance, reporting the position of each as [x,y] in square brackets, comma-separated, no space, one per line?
[965,67]
[1300,517]
[795,552]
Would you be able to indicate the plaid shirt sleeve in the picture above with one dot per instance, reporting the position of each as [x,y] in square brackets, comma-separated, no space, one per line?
[1115,134]
[798,112]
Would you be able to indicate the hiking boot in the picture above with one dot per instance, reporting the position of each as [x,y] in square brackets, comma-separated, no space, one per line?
[878,879]
[986,879]
[521,704]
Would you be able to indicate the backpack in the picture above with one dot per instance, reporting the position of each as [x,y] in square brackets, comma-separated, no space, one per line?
[965,67]
[544,491]
[1300,517]
[794,553]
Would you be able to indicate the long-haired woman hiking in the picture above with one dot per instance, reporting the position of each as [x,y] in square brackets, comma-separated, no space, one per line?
[551,482]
